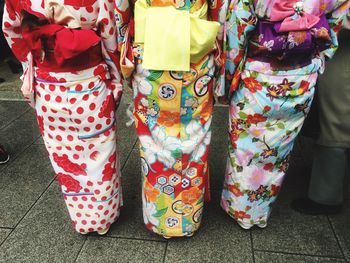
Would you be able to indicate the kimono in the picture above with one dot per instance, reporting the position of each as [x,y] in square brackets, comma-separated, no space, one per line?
[173,102]
[275,51]
[69,52]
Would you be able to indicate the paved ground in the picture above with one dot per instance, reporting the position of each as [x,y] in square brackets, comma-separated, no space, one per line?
[34,225]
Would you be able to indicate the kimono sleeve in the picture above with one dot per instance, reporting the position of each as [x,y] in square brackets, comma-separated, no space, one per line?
[108,31]
[218,13]
[335,18]
[11,27]
[241,21]
[125,28]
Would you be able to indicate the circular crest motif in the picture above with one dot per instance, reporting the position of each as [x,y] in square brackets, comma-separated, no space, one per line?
[181,208]
[197,215]
[171,221]
[201,85]
[167,91]
[176,75]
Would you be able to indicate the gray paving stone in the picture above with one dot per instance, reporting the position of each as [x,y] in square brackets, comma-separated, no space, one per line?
[126,135]
[296,182]
[7,95]
[45,234]
[12,83]
[104,250]
[218,148]
[22,183]
[18,135]
[292,232]
[4,232]
[219,239]
[10,111]
[263,257]
[341,224]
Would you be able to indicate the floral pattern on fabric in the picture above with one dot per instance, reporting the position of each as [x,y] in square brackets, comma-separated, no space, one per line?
[268,101]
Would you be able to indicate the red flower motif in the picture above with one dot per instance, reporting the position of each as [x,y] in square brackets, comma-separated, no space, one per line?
[252,84]
[109,168]
[235,130]
[241,215]
[42,74]
[269,167]
[267,108]
[101,71]
[70,183]
[256,118]
[235,190]
[40,120]
[275,190]
[304,86]
[108,107]
[67,165]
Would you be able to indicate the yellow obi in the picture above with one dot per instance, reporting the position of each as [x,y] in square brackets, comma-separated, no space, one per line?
[173,38]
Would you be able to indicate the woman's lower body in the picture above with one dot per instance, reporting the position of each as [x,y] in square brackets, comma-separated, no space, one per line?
[267,112]
[76,116]
[331,156]
[173,112]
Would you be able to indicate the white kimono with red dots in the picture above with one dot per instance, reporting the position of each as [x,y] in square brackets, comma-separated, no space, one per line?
[68,48]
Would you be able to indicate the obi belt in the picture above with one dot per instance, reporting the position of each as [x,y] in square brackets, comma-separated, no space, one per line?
[173,38]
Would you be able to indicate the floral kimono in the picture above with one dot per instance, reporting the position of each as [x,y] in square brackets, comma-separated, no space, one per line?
[173,62]
[274,55]
[69,49]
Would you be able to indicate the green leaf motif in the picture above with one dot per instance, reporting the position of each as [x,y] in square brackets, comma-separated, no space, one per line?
[242,115]
[200,201]
[155,75]
[280,125]
[177,153]
[161,212]
[205,64]
[243,135]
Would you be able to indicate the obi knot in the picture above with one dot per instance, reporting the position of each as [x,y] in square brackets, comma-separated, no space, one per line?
[292,15]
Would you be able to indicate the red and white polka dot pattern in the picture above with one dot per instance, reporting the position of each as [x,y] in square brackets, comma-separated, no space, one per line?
[77,121]
[75,110]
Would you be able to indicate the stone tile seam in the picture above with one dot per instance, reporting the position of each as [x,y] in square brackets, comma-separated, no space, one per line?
[13,159]
[25,214]
[6,228]
[336,237]
[165,251]
[81,249]
[252,244]
[15,119]
[298,254]
[12,99]
[128,238]
[129,154]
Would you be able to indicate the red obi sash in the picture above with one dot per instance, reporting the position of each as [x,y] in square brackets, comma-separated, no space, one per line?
[60,49]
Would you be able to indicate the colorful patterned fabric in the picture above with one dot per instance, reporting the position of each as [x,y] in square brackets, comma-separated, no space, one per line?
[75,108]
[268,106]
[173,112]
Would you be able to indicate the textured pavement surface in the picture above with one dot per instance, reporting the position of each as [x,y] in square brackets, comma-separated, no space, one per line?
[34,224]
